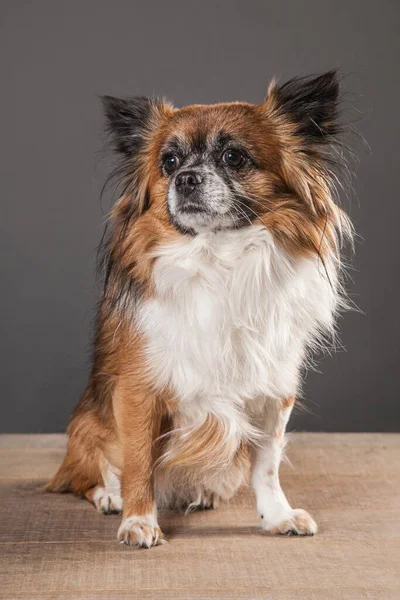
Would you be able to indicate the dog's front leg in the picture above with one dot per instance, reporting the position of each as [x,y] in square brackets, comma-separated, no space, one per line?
[138,424]
[275,511]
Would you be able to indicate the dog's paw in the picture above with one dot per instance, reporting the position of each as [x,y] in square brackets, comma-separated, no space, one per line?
[107,503]
[204,501]
[297,522]
[142,531]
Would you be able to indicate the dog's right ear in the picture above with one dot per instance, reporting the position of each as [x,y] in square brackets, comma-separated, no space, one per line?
[130,120]
[131,123]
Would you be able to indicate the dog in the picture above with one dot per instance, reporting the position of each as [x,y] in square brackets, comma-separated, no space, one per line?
[222,272]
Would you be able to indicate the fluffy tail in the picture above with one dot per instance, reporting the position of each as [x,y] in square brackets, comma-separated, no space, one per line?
[61,482]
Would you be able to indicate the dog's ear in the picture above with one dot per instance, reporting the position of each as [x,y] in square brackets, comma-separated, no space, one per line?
[304,112]
[129,121]
[310,104]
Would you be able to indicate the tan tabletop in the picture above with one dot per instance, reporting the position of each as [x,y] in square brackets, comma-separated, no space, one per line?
[58,547]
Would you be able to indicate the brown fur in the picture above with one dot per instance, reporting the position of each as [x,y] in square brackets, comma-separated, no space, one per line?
[288,402]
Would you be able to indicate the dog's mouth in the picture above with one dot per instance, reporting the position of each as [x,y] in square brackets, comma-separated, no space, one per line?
[194,219]
[193,208]
[200,221]
[211,212]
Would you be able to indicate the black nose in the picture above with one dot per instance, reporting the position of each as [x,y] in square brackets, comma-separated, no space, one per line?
[187,181]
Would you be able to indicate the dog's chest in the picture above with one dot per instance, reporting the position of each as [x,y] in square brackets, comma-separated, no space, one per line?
[231,316]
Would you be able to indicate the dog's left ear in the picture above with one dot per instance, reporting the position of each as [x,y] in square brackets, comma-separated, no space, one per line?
[309,103]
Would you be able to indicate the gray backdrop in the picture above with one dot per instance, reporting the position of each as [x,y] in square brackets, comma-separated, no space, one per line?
[57,57]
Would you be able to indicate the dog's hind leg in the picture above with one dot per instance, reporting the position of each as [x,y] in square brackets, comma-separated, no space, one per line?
[107,497]
[85,470]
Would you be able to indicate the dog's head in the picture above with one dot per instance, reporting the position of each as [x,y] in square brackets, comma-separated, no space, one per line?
[208,168]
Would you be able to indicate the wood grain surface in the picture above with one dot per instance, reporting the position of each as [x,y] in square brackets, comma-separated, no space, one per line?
[58,547]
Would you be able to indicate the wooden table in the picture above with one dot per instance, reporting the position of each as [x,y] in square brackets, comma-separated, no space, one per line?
[58,547]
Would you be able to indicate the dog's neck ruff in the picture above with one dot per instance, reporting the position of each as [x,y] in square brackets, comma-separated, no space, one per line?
[231,319]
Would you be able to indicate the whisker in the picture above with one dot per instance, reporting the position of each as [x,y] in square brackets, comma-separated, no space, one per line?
[253,211]
[242,212]
[262,205]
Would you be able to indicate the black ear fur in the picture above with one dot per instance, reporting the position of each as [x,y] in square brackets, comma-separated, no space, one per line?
[312,104]
[127,121]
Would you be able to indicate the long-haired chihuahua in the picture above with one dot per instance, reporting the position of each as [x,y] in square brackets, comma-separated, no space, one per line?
[221,274]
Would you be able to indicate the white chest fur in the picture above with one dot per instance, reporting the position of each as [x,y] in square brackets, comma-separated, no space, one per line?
[232,317]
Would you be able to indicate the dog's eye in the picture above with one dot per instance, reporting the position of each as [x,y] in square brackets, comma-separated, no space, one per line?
[233,158]
[170,163]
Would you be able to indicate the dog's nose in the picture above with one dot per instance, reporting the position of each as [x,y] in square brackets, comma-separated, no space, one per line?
[187,181]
